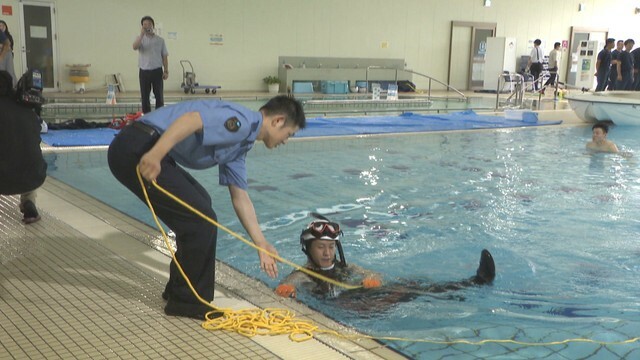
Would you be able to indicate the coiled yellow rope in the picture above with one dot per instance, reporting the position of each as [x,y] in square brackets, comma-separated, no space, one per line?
[272,321]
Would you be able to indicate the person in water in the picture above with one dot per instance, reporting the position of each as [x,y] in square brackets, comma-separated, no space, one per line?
[320,241]
[599,141]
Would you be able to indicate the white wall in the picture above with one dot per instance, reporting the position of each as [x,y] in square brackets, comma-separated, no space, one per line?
[256,32]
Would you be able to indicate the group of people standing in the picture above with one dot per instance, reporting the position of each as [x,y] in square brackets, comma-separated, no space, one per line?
[617,69]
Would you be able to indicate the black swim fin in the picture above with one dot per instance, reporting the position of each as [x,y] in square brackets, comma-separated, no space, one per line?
[486,270]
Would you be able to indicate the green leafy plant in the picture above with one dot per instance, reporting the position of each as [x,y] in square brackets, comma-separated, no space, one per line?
[271,80]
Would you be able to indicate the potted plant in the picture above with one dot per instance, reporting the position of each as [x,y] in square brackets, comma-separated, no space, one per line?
[273,83]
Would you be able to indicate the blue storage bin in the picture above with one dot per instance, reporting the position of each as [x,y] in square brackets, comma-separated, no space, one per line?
[334,87]
[300,87]
[361,84]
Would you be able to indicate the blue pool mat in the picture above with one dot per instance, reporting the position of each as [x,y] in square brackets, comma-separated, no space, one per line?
[79,137]
[408,122]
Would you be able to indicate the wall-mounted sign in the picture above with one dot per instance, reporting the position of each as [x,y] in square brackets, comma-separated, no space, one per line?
[216,39]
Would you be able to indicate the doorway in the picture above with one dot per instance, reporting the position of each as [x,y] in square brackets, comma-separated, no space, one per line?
[38,39]
[467,54]
[578,35]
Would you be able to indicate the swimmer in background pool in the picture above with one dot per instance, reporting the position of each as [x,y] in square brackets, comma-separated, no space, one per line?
[599,141]
[320,241]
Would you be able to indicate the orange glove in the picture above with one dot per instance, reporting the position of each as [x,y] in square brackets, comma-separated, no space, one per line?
[371,282]
[286,290]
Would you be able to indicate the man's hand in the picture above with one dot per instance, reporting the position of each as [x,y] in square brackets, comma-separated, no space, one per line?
[149,167]
[267,263]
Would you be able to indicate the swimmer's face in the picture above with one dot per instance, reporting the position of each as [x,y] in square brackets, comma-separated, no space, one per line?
[598,135]
[323,252]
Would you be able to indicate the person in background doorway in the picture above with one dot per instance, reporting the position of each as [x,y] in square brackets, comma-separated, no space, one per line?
[535,63]
[599,141]
[603,65]
[5,29]
[613,72]
[554,61]
[625,67]
[153,61]
[6,52]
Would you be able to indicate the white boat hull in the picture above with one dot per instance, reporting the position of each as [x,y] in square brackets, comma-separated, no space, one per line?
[621,107]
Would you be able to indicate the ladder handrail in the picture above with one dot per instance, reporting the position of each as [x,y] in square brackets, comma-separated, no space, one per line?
[519,91]
[449,87]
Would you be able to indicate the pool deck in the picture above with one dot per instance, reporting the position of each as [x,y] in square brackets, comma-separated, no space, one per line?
[82,283]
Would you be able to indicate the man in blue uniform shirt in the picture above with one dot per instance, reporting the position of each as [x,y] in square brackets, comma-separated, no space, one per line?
[200,134]
[603,65]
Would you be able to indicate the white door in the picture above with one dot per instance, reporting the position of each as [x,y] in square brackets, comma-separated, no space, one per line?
[460,55]
[39,41]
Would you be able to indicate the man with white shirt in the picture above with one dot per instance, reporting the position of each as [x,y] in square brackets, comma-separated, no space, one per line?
[554,61]
[535,63]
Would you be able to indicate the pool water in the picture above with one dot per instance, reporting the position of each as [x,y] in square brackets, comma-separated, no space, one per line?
[562,225]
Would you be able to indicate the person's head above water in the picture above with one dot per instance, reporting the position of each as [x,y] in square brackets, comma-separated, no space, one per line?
[599,131]
[319,241]
[599,141]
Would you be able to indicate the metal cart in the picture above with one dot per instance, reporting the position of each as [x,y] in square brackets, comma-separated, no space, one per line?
[189,84]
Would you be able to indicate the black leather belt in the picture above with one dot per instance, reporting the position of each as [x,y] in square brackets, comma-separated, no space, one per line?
[149,130]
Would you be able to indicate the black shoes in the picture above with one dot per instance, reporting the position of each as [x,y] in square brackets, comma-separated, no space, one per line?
[30,212]
[190,310]
[166,292]
[183,309]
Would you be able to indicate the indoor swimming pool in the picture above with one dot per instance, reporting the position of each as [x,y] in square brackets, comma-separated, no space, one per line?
[562,225]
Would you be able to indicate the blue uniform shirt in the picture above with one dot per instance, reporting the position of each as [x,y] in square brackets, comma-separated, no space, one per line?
[229,132]
[605,61]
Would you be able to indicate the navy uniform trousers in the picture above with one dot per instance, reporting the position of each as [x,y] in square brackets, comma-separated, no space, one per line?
[195,237]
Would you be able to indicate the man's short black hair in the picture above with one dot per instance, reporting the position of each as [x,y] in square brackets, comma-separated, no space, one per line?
[537,41]
[289,107]
[148,18]
[611,41]
[601,125]
[556,44]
